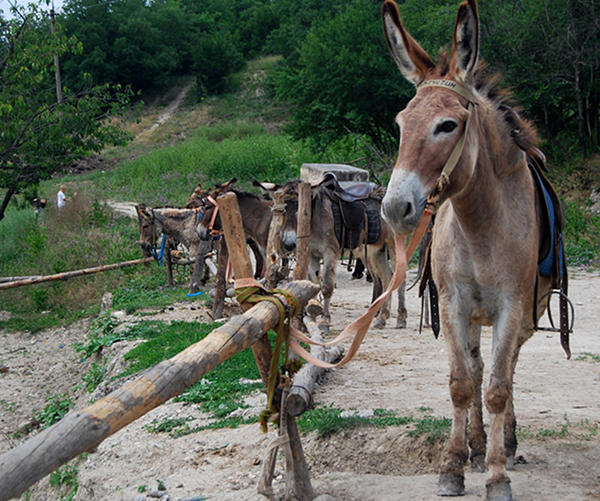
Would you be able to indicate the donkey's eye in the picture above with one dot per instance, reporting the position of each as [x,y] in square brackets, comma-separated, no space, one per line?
[446,127]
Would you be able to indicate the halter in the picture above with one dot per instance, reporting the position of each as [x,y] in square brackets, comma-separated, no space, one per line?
[211,230]
[444,179]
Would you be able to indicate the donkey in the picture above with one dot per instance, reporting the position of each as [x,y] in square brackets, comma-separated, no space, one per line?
[325,246]
[256,219]
[179,224]
[486,237]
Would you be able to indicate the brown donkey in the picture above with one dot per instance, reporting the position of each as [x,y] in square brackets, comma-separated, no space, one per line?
[256,218]
[486,237]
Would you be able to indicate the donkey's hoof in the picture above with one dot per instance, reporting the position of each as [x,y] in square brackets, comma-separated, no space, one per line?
[451,484]
[499,491]
[401,323]
[478,464]
[379,323]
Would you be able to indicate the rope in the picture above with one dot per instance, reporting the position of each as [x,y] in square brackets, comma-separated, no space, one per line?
[159,257]
[250,291]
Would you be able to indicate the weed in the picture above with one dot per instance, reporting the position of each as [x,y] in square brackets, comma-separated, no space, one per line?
[94,376]
[102,334]
[142,488]
[589,357]
[66,476]
[328,420]
[55,410]
[161,485]
[175,427]
[436,429]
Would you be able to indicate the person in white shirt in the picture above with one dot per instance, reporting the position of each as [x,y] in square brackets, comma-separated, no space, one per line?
[61,197]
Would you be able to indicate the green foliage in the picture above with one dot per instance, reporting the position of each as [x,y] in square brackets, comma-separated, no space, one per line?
[262,156]
[163,341]
[589,357]
[436,429]
[94,376]
[56,408]
[345,80]
[102,334]
[66,476]
[328,420]
[582,236]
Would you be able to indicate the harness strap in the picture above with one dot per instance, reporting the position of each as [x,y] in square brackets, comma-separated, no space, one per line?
[462,91]
[360,326]
[212,231]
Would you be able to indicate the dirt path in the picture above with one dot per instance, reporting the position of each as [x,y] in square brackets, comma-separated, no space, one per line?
[405,371]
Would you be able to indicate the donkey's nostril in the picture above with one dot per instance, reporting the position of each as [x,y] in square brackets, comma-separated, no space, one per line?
[408,210]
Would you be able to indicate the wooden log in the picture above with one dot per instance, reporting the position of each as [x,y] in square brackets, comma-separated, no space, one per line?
[303,231]
[300,396]
[71,274]
[274,251]
[84,430]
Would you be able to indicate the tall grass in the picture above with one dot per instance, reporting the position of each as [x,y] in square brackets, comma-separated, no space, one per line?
[212,155]
[83,234]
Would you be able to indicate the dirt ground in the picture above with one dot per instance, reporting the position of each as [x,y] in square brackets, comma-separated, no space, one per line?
[401,370]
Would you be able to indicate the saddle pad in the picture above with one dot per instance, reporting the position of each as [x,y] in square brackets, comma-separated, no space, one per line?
[373,221]
[551,259]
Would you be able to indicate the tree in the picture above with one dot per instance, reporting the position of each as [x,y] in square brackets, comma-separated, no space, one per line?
[550,52]
[40,135]
[345,80]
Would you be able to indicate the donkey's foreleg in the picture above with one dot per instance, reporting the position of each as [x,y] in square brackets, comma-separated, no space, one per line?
[497,397]
[477,435]
[452,477]
[402,313]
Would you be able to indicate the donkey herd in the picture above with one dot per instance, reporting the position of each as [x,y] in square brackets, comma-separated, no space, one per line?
[468,161]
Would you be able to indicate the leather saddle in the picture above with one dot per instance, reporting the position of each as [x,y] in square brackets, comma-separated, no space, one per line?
[352,210]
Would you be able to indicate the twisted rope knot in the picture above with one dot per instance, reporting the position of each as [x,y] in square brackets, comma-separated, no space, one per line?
[250,291]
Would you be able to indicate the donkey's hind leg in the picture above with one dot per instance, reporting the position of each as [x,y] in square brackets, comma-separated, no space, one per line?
[379,267]
[477,435]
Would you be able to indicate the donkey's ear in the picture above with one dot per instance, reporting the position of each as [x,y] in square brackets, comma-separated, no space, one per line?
[465,51]
[413,61]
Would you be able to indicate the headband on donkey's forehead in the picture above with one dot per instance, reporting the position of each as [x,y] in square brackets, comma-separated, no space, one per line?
[460,89]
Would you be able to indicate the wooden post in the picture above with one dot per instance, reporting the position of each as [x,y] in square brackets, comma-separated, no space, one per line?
[303,231]
[168,262]
[231,220]
[83,430]
[233,230]
[274,242]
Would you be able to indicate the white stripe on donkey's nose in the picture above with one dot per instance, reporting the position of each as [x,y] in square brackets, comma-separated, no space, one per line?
[404,201]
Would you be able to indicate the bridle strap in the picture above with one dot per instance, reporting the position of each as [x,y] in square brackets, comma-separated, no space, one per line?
[444,178]
[211,229]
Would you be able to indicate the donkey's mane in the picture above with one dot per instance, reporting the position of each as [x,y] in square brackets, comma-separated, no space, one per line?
[488,84]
